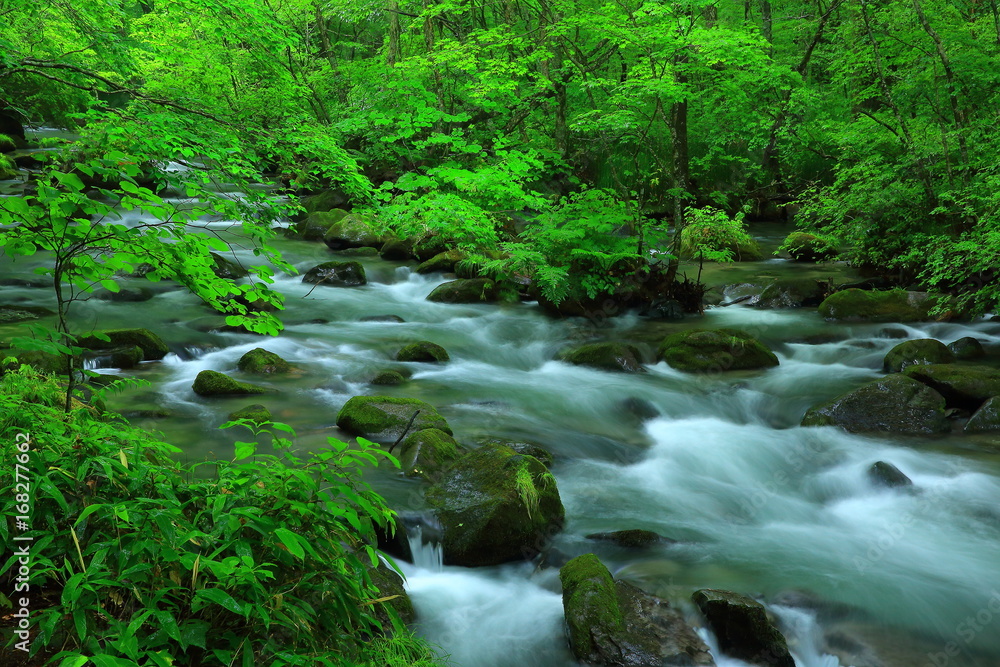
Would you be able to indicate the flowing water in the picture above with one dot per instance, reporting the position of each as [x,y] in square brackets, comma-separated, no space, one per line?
[854,573]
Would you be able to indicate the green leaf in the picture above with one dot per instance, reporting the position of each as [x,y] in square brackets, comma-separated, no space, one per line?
[110,285]
[74,661]
[221,598]
[291,542]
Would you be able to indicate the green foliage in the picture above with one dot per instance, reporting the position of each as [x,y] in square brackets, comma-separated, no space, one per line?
[262,559]
[712,235]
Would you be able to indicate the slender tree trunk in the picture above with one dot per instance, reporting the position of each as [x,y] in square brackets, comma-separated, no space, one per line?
[392,52]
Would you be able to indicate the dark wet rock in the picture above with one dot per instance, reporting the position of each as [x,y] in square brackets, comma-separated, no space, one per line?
[713,350]
[614,623]
[261,361]
[213,383]
[965,387]
[226,268]
[805,247]
[986,418]
[634,538]
[18,313]
[353,231]
[913,352]
[521,447]
[125,356]
[336,274]
[894,404]
[256,413]
[125,295]
[639,408]
[325,200]
[316,225]
[11,125]
[605,356]
[743,628]
[882,473]
[893,332]
[465,290]
[388,378]
[152,345]
[791,293]
[384,418]
[390,585]
[967,349]
[24,282]
[426,453]
[397,250]
[663,309]
[382,318]
[856,305]
[424,351]
[443,262]
[495,506]
[358,252]
[392,538]
[429,246]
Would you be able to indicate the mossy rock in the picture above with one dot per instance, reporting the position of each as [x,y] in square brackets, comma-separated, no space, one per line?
[465,290]
[605,356]
[337,274]
[226,268]
[256,413]
[429,246]
[388,378]
[45,362]
[743,629]
[893,404]
[885,474]
[712,350]
[126,356]
[614,623]
[316,225]
[383,418]
[427,453]
[521,447]
[213,383]
[443,262]
[397,249]
[805,247]
[423,350]
[791,293]
[495,506]
[966,387]
[382,318]
[261,361]
[967,349]
[857,305]
[634,538]
[325,200]
[743,251]
[986,418]
[918,351]
[152,345]
[16,313]
[390,585]
[352,231]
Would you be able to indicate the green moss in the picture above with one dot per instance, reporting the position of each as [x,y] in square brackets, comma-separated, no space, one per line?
[805,247]
[212,383]
[632,538]
[388,377]
[856,305]
[965,387]
[259,360]
[986,418]
[45,362]
[712,350]
[351,232]
[919,351]
[430,246]
[590,603]
[316,225]
[18,313]
[396,249]
[894,404]
[465,290]
[337,274]
[967,349]
[384,418]
[255,413]
[443,262]
[526,448]
[152,345]
[423,351]
[606,356]
[427,453]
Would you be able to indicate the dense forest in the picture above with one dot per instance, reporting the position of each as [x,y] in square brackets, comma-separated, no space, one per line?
[592,157]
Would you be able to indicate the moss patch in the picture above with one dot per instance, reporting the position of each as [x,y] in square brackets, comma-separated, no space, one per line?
[152,345]
[16,313]
[965,387]
[465,290]
[713,350]
[352,231]
[383,418]
[913,352]
[388,378]
[212,383]
[590,603]
[443,262]
[423,350]
[605,356]
[427,453]
[856,305]
[256,413]
[805,247]
[259,360]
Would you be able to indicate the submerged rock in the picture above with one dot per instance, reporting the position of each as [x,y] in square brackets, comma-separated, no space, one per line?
[791,293]
[614,623]
[388,378]
[495,506]
[857,305]
[894,404]
[713,350]
[213,383]
[17,313]
[967,349]
[743,629]
[605,356]
[634,538]
[427,453]
[259,360]
[886,474]
[125,295]
[383,418]
[965,387]
[423,350]
[913,352]
[465,290]
[152,345]
[382,318]
[336,274]
[805,247]
[986,418]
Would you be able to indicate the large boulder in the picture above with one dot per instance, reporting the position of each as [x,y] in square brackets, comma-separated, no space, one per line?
[606,356]
[422,350]
[384,418]
[857,305]
[325,200]
[919,351]
[152,345]
[261,361]
[444,262]
[336,274]
[465,290]
[805,247]
[743,629]
[791,293]
[710,350]
[427,453]
[213,383]
[352,231]
[316,225]
[965,387]
[894,404]
[967,349]
[614,623]
[396,249]
[495,506]
[986,418]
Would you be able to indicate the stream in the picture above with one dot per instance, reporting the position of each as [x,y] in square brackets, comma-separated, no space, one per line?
[856,574]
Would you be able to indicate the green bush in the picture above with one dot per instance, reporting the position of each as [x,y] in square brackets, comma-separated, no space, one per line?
[712,235]
[139,560]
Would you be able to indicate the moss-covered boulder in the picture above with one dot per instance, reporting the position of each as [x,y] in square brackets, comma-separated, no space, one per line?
[227,269]
[388,377]
[614,623]
[316,225]
[521,447]
[126,356]
[882,473]
[791,293]
[17,313]
[605,356]
[967,349]
[965,387]
[213,383]
[743,248]
[465,290]
[423,350]
[261,361]
[383,418]
[152,345]
[805,247]
[256,413]
[427,453]
[352,231]
[713,350]
[443,262]
[743,628]
[919,351]
[986,418]
[45,362]
[495,506]
[396,249]
[429,246]
[633,538]
[857,305]
[893,404]
[324,200]
[336,274]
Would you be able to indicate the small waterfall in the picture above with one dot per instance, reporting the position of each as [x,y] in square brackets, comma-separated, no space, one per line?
[427,554]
